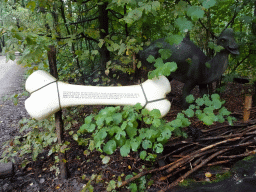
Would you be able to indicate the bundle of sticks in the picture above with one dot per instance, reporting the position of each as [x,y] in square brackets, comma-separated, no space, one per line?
[215,146]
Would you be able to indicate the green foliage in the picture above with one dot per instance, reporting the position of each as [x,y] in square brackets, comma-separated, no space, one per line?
[113,128]
[37,136]
[136,129]
[208,109]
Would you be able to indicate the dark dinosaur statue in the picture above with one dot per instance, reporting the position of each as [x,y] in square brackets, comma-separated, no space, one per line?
[194,67]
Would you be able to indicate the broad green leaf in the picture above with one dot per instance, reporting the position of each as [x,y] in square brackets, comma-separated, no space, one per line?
[217,104]
[135,143]
[91,128]
[215,97]
[111,185]
[165,53]
[146,144]
[158,148]
[75,137]
[155,113]
[189,113]
[195,12]
[207,120]
[151,59]
[117,118]
[174,39]
[31,5]
[200,101]
[109,147]
[223,111]
[133,187]
[183,24]
[176,123]
[125,149]
[156,5]
[120,134]
[88,119]
[131,131]
[208,3]
[113,130]
[102,134]
[165,135]
[105,160]
[190,99]
[143,155]
[208,65]
[171,67]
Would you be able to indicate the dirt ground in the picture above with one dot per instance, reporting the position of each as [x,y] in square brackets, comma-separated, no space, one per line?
[37,176]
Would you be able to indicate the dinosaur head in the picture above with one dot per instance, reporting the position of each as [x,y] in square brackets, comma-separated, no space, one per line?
[227,40]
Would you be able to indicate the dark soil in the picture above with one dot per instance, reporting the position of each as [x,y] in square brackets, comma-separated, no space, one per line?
[37,176]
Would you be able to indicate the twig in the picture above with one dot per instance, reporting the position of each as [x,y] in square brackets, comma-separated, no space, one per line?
[193,170]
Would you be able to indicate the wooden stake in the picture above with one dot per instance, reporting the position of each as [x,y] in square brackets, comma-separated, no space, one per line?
[58,115]
[247,107]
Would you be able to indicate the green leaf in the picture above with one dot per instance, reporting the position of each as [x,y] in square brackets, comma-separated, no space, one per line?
[171,67]
[146,144]
[183,24]
[174,39]
[165,53]
[120,134]
[208,65]
[176,123]
[102,134]
[131,131]
[215,96]
[165,135]
[135,143]
[195,12]
[122,49]
[105,160]
[156,5]
[230,120]
[223,111]
[91,128]
[143,155]
[207,120]
[75,137]
[111,185]
[133,187]
[190,99]
[151,59]
[113,130]
[117,118]
[208,3]
[217,104]
[101,42]
[110,147]
[158,148]
[200,101]
[125,149]
[31,5]
[189,112]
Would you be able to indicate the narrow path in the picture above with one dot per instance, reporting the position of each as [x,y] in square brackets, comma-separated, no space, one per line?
[11,81]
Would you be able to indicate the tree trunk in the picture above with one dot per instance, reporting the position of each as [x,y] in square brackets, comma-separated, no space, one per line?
[254,33]
[58,116]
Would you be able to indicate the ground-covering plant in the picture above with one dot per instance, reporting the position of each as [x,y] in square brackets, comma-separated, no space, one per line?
[139,130]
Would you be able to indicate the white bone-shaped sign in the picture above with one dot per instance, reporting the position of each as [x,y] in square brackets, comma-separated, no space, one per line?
[49,95]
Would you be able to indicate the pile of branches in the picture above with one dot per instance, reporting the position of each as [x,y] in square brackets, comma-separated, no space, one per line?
[215,146]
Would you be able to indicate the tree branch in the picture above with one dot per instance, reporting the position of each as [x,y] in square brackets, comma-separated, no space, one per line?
[83,21]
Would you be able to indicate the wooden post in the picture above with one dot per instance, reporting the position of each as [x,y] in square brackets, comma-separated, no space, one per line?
[58,115]
[247,107]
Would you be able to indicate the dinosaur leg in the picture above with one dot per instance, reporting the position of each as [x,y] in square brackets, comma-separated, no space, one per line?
[187,88]
[203,89]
